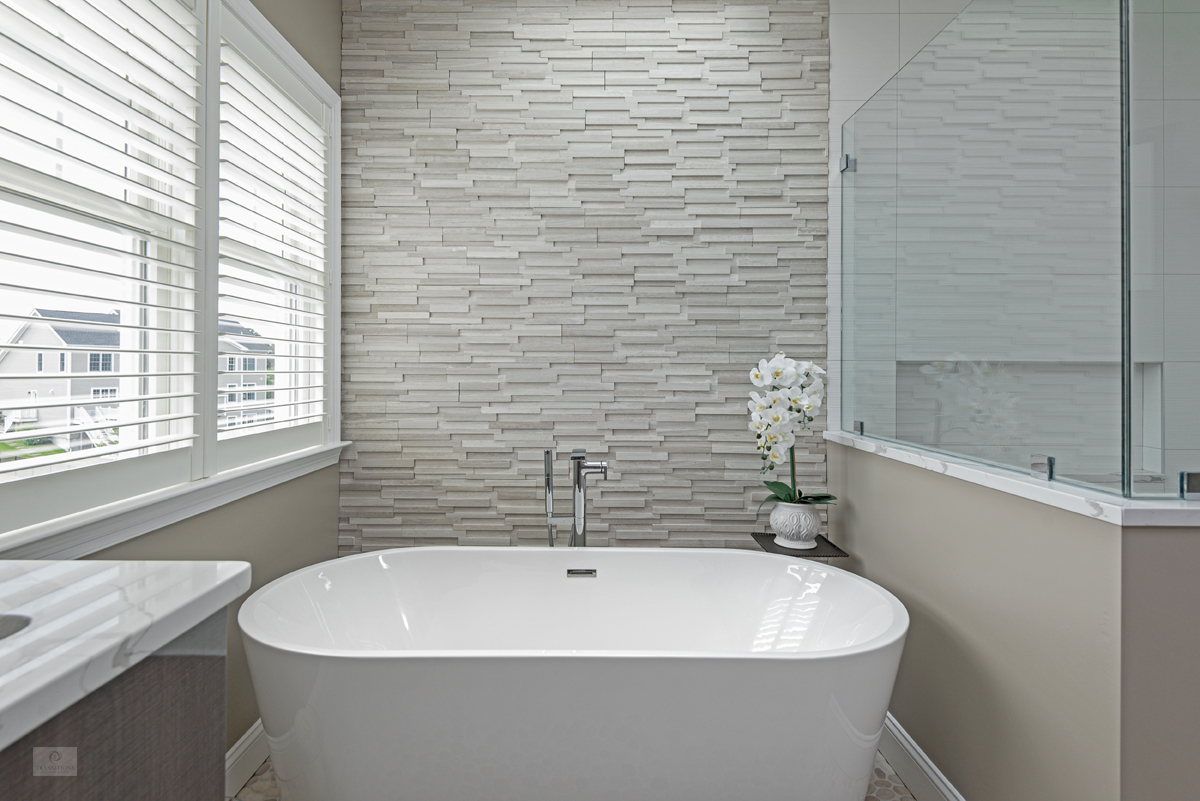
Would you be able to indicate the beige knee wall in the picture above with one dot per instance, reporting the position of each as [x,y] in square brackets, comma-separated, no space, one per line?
[1010,680]
[1051,657]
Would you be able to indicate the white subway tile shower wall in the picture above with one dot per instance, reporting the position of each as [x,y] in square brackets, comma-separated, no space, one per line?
[575,224]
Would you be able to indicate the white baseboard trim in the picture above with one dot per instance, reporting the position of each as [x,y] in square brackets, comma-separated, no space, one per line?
[914,768]
[246,756]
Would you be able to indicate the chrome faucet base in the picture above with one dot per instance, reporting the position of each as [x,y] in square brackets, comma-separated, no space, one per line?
[581,468]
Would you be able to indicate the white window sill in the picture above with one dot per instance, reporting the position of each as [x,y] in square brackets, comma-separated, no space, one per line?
[1090,503]
[94,529]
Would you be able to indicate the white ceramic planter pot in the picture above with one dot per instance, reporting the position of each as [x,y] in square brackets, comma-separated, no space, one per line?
[796,525]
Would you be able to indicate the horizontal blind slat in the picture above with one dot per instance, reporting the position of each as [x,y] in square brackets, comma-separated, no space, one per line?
[12,403]
[93,453]
[83,429]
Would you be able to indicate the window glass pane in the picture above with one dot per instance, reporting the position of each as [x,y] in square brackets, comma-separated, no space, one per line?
[273,194]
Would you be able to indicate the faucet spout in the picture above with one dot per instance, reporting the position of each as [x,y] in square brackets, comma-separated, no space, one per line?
[581,468]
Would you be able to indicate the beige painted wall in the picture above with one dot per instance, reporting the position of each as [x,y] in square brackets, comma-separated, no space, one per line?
[1011,674]
[314,28]
[278,530]
[1160,677]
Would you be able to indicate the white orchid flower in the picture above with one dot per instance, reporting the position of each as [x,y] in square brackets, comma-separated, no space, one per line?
[782,371]
[757,404]
[758,426]
[778,416]
[809,403]
[761,376]
[777,455]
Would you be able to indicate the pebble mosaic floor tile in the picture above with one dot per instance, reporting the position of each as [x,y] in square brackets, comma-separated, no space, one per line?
[885,784]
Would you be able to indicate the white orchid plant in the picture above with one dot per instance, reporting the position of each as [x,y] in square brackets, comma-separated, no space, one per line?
[793,392]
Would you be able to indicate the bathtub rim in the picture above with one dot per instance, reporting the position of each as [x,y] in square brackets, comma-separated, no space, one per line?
[896,631]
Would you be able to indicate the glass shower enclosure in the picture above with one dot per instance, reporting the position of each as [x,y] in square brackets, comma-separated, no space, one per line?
[1021,243]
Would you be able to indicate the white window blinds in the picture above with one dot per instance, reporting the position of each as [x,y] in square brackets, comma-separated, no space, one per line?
[273,276]
[100,105]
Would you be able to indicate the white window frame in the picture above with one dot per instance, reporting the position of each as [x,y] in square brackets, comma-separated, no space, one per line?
[255,462]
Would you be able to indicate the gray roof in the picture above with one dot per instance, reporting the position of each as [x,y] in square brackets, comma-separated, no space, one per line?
[227,326]
[84,337]
[233,331]
[80,317]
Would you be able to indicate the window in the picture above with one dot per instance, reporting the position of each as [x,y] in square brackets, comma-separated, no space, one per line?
[247,396]
[274,227]
[107,243]
[100,362]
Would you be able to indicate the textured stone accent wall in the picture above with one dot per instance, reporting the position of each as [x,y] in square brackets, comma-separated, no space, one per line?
[574,224]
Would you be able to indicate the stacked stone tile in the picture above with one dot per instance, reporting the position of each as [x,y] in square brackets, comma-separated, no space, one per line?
[574,224]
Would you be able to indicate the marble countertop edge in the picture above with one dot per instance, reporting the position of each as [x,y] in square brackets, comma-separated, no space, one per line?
[1126,512]
[79,664]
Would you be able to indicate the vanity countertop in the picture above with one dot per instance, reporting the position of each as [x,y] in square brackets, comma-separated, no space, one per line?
[91,621]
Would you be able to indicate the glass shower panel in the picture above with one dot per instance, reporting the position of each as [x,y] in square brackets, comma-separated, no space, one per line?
[982,242]
[869,256]
[1164,197]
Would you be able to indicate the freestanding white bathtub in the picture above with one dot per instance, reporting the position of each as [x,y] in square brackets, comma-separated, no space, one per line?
[490,674]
